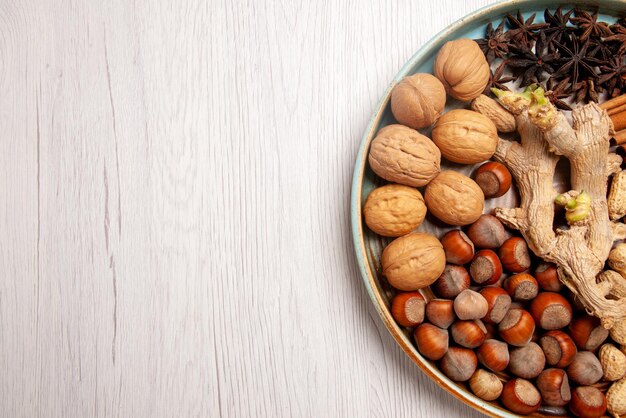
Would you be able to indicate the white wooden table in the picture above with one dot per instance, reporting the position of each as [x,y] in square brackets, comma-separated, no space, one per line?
[174,208]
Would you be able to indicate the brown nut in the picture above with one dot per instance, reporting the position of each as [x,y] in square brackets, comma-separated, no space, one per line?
[517,327]
[613,362]
[487,232]
[413,261]
[452,281]
[548,278]
[465,137]
[454,198]
[520,396]
[408,308]
[468,334]
[458,247]
[588,402]
[470,305]
[551,311]
[498,301]
[418,100]
[527,361]
[431,341]
[521,287]
[440,312]
[554,387]
[485,385]
[504,121]
[494,179]
[462,68]
[558,348]
[486,268]
[587,332]
[459,364]
[494,355]
[616,398]
[514,255]
[402,155]
[394,210]
[585,369]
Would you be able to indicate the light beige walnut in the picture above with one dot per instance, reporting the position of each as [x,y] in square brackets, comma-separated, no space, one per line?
[418,100]
[465,137]
[454,198]
[613,362]
[413,261]
[462,68]
[402,155]
[394,210]
[616,398]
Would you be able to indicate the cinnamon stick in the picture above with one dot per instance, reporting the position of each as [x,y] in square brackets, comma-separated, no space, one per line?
[619,121]
[614,102]
[620,137]
[617,109]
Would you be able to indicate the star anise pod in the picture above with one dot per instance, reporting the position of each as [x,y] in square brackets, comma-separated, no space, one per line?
[613,74]
[575,61]
[619,38]
[495,44]
[556,92]
[586,91]
[589,25]
[530,66]
[558,27]
[522,31]
[497,78]
[600,49]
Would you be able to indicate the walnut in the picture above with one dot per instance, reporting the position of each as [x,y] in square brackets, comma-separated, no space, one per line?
[465,137]
[403,155]
[504,121]
[413,261]
[462,68]
[418,100]
[394,210]
[454,198]
[617,196]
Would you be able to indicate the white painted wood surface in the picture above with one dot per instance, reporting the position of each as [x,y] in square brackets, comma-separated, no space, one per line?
[174,208]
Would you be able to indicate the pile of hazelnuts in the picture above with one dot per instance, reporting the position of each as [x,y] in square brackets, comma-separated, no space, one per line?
[507,328]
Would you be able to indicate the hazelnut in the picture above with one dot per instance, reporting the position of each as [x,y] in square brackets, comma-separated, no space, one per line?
[585,369]
[517,327]
[588,402]
[485,385]
[418,100]
[548,278]
[454,198]
[459,364]
[470,305]
[502,118]
[431,341]
[521,287]
[613,362]
[551,311]
[394,210]
[440,312]
[468,334]
[462,68]
[452,281]
[498,301]
[465,137]
[494,179]
[413,261]
[402,155]
[487,232]
[587,332]
[486,268]
[494,355]
[520,396]
[554,387]
[527,361]
[408,308]
[558,348]
[514,255]
[458,247]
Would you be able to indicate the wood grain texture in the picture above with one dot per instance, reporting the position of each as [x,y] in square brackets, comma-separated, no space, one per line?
[174,209]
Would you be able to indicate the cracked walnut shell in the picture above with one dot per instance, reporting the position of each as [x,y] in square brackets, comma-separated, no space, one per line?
[394,210]
[402,155]
[413,261]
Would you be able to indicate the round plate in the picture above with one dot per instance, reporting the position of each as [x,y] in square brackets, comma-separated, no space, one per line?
[369,245]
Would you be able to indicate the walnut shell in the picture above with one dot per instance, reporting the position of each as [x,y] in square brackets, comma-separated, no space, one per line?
[394,210]
[613,362]
[618,331]
[413,261]
[462,68]
[465,137]
[403,155]
[454,198]
[418,100]
[504,121]
[616,398]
